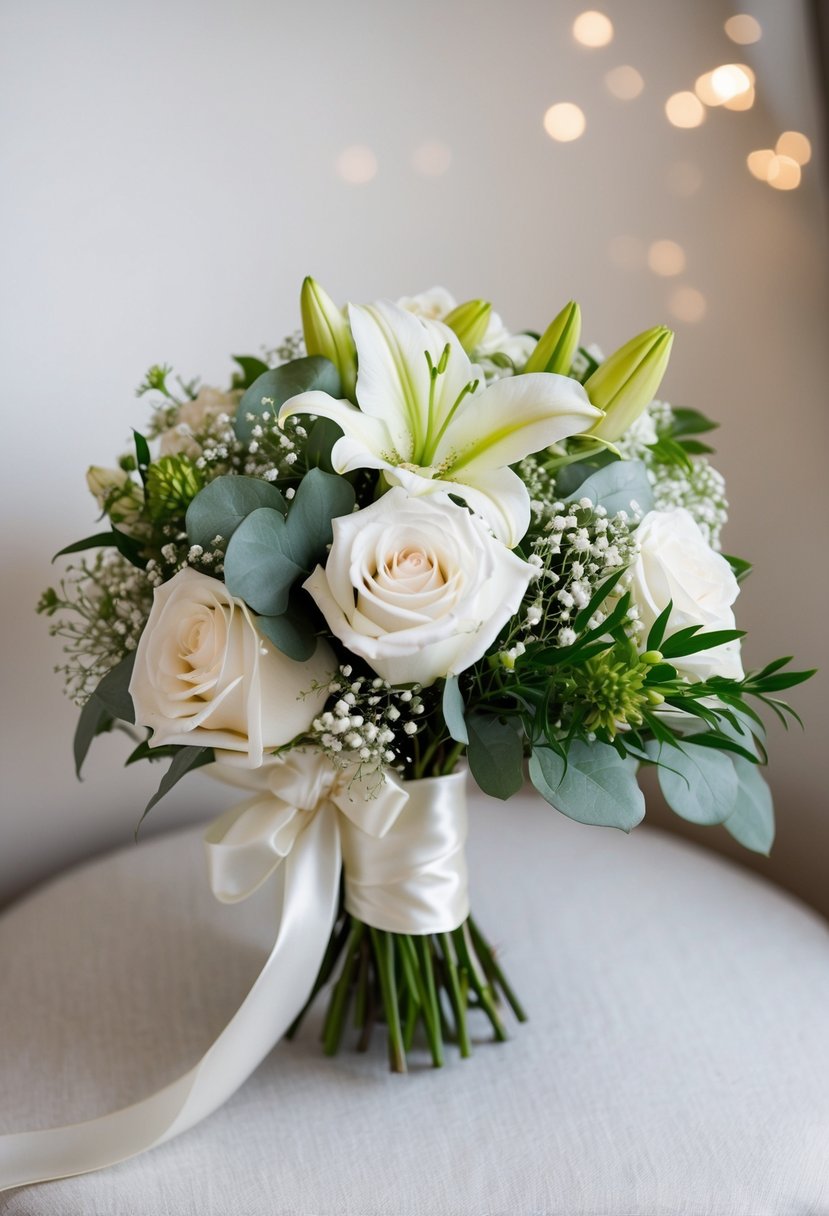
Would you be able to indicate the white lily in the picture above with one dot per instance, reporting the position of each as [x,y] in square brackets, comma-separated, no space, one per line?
[426,419]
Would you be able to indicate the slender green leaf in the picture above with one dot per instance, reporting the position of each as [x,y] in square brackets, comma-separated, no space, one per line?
[681,644]
[113,690]
[95,719]
[185,761]
[657,630]
[690,422]
[252,369]
[739,566]
[142,455]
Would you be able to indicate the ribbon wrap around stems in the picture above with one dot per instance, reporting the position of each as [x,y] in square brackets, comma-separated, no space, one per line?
[403,850]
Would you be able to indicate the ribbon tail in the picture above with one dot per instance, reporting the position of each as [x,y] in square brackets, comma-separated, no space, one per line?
[309,909]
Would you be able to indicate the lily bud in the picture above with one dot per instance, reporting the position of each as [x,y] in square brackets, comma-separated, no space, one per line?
[469,322]
[558,344]
[118,496]
[327,333]
[627,382]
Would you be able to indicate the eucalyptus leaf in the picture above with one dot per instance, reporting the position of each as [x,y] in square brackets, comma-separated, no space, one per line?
[597,787]
[292,634]
[700,784]
[320,498]
[617,486]
[273,388]
[321,439]
[752,821]
[223,504]
[495,755]
[454,710]
[259,568]
[252,369]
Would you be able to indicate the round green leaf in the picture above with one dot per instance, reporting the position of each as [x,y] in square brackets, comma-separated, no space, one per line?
[258,568]
[272,389]
[700,784]
[220,507]
[597,787]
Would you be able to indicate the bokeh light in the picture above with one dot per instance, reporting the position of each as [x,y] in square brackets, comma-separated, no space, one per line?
[357,165]
[624,82]
[685,110]
[724,84]
[432,159]
[759,163]
[687,304]
[593,29]
[743,29]
[666,258]
[783,173]
[794,145]
[564,121]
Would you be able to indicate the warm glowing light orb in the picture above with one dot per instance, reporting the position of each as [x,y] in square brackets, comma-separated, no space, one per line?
[743,29]
[783,173]
[432,159]
[357,165]
[666,258]
[759,163]
[794,145]
[624,82]
[593,29]
[724,84]
[564,121]
[684,110]
[687,304]
[742,101]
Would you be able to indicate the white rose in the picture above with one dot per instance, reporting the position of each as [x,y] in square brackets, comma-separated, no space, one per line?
[205,677]
[433,304]
[676,563]
[196,416]
[418,587]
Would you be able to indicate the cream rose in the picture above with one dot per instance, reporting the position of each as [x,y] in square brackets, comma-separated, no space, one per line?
[676,563]
[195,416]
[418,587]
[205,677]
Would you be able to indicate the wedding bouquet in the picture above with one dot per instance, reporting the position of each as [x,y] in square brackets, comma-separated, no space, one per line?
[406,542]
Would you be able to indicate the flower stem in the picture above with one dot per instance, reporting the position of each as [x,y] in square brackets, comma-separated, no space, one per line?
[333,1027]
[455,995]
[494,974]
[482,993]
[384,956]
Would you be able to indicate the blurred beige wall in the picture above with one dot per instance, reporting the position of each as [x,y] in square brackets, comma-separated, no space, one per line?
[171,174]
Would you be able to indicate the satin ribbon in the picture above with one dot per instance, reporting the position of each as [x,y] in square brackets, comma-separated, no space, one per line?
[402,846]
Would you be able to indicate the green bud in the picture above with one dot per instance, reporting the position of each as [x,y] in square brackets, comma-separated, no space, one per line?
[117,495]
[652,657]
[328,333]
[172,484]
[558,344]
[469,322]
[655,698]
[627,382]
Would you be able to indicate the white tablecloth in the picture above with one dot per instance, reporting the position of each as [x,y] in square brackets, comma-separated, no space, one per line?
[676,1063]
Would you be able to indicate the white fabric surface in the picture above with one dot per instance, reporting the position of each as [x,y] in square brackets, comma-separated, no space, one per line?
[676,1063]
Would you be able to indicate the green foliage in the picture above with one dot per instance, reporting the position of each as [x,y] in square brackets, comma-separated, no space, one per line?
[321,439]
[273,388]
[221,507]
[268,552]
[752,820]
[616,487]
[495,755]
[292,632]
[110,702]
[127,546]
[185,761]
[142,455]
[250,369]
[172,483]
[700,785]
[592,785]
[453,708]
[740,567]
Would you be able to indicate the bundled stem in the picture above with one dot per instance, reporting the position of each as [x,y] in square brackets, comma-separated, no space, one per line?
[408,982]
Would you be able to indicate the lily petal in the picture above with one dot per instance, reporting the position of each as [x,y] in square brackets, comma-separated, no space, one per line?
[370,433]
[499,496]
[394,382]
[514,417]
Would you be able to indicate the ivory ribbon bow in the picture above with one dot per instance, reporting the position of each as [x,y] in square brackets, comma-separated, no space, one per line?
[403,850]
